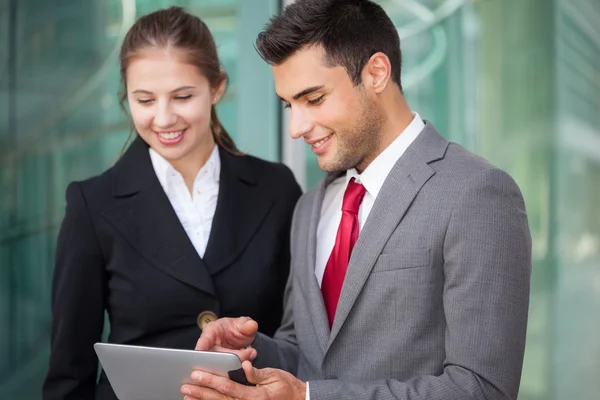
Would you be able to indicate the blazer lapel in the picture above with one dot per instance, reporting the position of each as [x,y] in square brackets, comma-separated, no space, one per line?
[146,219]
[313,290]
[404,181]
[241,208]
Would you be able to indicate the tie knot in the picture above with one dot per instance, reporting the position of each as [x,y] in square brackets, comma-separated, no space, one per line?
[353,196]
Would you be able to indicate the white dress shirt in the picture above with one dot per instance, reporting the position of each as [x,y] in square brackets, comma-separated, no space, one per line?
[195,210]
[372,179]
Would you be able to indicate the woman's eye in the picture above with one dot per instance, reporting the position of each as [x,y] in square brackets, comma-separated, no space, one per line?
[189,96]
[144,101]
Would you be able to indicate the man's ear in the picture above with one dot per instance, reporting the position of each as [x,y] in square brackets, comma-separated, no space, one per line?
[377,72]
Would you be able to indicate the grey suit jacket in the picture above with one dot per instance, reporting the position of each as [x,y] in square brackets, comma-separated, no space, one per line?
[434,304]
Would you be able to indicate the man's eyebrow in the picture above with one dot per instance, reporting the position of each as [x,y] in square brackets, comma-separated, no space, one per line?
[307,91]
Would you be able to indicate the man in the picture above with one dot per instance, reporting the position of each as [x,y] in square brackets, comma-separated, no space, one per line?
[410,261]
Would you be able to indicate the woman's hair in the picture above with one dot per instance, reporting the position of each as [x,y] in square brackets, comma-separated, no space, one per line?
[175,28]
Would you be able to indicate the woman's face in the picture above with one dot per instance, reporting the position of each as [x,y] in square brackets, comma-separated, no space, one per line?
[170,102]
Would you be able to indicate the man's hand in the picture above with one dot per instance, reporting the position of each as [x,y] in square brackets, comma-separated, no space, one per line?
[271,384]
[230,335]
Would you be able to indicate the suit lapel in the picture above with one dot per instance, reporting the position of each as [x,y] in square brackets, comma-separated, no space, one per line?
[242,207]
[403,183]
[146,219]
[315,297]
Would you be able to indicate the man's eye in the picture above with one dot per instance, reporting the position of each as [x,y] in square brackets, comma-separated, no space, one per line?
[316,101]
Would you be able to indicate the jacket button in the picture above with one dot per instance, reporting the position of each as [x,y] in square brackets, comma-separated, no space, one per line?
[204,318]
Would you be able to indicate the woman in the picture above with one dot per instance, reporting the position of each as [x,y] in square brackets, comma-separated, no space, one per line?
[182,230]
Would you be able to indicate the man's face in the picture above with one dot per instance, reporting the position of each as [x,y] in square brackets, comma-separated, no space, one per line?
[337,119]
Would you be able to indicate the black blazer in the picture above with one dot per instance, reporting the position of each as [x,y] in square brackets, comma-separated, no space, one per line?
[121,248]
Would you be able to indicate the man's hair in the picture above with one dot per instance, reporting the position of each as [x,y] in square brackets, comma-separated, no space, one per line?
[350,32]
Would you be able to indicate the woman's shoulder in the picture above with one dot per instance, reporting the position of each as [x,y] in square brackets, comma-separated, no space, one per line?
[266,167]
[132,169]
[94,190]
[273,172]
[273,176]
[96,182]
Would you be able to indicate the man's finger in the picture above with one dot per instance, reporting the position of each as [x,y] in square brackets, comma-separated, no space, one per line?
[193,392]
[248,354]
[249,327]
[222,385]
[207,339]
[253,375]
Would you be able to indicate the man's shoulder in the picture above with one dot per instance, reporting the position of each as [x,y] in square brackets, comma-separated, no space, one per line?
[461,170]
[460,165]
[460,161]
[307,199]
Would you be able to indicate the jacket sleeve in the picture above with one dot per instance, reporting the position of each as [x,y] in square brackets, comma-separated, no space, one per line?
[78,303]
[281,351]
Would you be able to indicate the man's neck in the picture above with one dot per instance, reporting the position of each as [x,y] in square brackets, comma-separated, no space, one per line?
[398,117]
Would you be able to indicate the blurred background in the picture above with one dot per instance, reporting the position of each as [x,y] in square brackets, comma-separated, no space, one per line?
[516,81]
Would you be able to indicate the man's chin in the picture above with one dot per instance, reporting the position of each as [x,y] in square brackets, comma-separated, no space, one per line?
[331,166]
[326,166]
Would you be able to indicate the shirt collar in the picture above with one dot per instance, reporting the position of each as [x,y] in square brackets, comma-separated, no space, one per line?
[375,174]
[165,171]
[213,164]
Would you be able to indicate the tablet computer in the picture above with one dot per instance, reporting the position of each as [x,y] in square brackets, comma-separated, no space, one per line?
[151,373]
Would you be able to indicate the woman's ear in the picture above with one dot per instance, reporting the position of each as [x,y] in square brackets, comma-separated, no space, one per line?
[218,91]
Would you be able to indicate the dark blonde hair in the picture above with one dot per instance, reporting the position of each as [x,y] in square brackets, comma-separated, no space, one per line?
[175,28]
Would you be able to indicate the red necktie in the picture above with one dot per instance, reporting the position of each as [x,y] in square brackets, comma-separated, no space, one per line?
[347,234]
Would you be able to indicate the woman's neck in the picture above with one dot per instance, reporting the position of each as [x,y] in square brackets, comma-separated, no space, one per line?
[191,163]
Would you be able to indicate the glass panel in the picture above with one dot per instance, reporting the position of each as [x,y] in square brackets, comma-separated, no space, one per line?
[60,121]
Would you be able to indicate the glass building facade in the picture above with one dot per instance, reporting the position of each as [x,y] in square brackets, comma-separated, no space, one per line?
[516,81]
